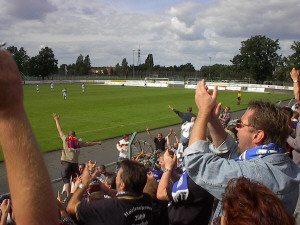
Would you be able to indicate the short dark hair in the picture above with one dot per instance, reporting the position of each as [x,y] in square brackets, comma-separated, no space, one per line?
[111,180]
[72,132]
[125,136]
[102,167]
[272,120]
[189,109]
[82,164]
[250,203]
[134,176]
[289,111]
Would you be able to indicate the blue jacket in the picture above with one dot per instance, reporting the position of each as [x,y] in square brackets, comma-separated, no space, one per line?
[212,171]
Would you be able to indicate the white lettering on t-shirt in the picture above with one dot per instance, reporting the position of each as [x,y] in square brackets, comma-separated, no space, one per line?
[132,210]
[140,217]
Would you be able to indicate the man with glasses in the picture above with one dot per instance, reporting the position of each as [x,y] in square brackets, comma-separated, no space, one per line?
[259,155]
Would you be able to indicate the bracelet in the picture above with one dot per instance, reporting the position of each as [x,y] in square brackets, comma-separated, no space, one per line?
[81,185]
[295,81]
[167,170]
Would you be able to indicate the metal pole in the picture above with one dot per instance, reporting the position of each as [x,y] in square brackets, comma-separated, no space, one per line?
[209,68]
[133,62]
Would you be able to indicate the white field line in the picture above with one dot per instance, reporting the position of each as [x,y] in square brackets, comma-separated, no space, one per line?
[105,128]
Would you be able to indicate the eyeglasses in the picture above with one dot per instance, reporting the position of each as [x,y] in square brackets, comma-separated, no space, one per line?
[240,124]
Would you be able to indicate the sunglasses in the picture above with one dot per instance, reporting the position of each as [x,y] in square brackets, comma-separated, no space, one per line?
[240,124]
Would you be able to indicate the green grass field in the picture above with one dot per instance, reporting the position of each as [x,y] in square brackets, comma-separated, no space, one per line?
[103,112]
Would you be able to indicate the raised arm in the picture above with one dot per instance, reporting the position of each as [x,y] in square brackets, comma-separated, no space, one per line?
[28,179]
[180,114]
[56,119]
[295,77]
[86,179]
[168,142]
[149,134]
[217,132]
[176,138]
[206,102]
[170,165]
[5,208]
[295,142]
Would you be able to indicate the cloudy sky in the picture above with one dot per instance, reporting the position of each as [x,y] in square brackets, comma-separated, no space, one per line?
[176,32]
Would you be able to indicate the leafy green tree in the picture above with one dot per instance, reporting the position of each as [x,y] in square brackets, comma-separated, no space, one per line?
[149,62]
[21,58]
[87,64]
[125,67]
[47,62]
[43,64]
[33,67]
[187,67]
[117,69]
[294,59]
[79,66]
[258,55]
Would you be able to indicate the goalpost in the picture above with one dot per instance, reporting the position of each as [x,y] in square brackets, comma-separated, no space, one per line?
[155,81]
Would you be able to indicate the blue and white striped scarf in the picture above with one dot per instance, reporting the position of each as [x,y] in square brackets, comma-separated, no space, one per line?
[180,191]
[259,152]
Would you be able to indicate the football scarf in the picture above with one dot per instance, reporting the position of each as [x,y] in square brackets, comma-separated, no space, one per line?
[180,191]
[73,144]
[259,152]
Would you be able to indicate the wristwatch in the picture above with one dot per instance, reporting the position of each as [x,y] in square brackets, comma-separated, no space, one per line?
[295,81]
[167,170]
[81,185]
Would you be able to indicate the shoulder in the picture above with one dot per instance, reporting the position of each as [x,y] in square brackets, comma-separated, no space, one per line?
[63,136]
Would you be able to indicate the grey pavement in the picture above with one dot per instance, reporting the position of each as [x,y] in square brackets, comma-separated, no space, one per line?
[103,154]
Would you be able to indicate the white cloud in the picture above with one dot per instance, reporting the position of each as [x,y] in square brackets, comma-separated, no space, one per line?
[175,32]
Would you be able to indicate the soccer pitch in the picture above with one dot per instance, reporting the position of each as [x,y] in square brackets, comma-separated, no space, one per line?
[103,112]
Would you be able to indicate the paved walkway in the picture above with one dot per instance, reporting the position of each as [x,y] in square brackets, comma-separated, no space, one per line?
[104,154]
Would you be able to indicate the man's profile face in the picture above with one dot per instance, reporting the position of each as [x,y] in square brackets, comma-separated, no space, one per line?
[244,134]
[161,163]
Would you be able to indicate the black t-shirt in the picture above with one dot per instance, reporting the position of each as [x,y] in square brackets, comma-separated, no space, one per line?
[196,210]
[124,209]
[160,145]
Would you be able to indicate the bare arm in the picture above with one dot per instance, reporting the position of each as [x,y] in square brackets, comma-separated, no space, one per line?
[56,119]
[86,179]
[295,77]
[168,142]
[206,102]
[176,138]
[149,134]
[217,132]
[5,208]
[170,164]
[94,143]
[19,145]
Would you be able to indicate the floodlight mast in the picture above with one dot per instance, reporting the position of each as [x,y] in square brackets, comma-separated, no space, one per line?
[133,63]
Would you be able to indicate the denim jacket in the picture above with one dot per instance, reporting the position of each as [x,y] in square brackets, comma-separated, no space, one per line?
[213,170]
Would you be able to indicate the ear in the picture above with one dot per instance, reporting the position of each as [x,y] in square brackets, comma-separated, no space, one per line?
[122,186]
[259,137]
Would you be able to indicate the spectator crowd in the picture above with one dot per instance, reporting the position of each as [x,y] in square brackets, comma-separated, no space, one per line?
[216,172]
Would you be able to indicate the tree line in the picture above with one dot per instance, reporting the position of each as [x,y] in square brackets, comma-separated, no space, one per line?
[257,60]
